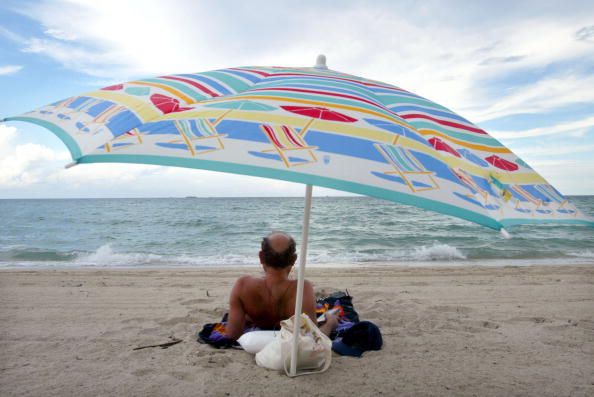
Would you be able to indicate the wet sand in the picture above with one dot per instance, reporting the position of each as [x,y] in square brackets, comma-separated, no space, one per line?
[447,331]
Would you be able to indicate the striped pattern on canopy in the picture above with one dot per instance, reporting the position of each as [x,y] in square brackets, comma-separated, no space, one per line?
[342,131]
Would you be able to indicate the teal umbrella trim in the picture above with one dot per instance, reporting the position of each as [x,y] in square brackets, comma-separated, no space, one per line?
[508,222]
[70,143]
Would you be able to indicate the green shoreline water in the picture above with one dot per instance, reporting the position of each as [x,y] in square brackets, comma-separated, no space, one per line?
[227,231]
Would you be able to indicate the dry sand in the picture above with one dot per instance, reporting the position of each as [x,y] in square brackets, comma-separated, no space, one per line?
[455,331]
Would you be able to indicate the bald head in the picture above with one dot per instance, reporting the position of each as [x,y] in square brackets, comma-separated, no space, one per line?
[278,250]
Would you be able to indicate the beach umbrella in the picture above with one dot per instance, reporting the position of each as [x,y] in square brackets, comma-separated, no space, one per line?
[363,136]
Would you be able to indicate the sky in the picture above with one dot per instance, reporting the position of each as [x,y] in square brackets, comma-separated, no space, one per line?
[523,71]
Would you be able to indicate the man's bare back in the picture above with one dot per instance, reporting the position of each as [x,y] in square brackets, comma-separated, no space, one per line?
[265,304]
[265,301]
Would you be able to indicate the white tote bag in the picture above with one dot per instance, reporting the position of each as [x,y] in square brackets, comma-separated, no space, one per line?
[314,351]
[314,348]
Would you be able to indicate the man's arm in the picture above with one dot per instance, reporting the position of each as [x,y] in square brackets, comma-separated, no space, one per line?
[309,301]
[236,320]
[309,308]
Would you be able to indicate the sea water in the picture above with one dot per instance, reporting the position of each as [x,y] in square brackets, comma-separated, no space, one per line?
[165,232]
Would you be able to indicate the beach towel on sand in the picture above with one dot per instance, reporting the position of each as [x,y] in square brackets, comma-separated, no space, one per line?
[214,333]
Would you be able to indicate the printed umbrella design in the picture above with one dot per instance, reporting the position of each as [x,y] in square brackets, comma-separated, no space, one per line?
[502,163]
[238,105]
[320,113]
[438,144]
[468,155]
[360,151]
[398,129]
[167,104]
[115,87]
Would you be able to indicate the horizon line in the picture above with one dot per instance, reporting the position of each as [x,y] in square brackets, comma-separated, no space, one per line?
[209,197]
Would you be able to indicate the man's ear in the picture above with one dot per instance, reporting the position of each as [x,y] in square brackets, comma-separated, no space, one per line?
[261,255]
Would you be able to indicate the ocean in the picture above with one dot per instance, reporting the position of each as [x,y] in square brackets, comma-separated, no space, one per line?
[174,232]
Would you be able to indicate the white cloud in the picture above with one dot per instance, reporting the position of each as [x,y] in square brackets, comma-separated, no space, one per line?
[552,150]
[27,168]
[546,94]
[585,34]
[60,34]
[10,69]
[448,55]
[23,164]
[577,127]
[569,176]
[422,49]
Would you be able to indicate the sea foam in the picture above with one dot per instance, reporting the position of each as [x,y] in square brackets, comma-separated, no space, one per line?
[437,252]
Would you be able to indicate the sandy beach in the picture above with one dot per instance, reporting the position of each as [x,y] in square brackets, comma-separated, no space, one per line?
[447,331]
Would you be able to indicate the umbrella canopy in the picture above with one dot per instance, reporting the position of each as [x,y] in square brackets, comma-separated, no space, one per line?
[368,137]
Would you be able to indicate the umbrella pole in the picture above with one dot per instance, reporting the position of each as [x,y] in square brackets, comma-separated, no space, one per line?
[300,280]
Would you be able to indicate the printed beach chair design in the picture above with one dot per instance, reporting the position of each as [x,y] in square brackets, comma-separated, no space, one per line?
[80,108]
[56,106]
[406,166]
[100,120]
[523,196]
[466,179]
[200,130]
[129,138]
[551,195]
[285,140]
[542,197]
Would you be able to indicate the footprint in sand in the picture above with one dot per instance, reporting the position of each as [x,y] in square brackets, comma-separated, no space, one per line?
[178,320]
[150,331]
[212,358]
[217,361]
[452,309]
[144,372]
[535,320]
[133,320]
[179,375]
[490,324]
[195,301]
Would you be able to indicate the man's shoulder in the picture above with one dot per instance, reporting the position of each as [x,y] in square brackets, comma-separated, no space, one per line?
[248,280]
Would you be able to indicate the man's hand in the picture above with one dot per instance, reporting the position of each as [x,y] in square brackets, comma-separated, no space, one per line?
[330,324]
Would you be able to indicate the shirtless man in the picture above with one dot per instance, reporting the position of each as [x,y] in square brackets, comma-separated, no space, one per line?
[265,301]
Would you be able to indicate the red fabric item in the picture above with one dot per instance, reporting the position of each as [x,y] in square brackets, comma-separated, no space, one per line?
[319,113]
[502,163]
[115,87]
[438,144]
[166,104]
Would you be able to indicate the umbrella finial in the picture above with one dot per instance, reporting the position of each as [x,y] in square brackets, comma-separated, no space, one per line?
[321,62]
[505,234]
